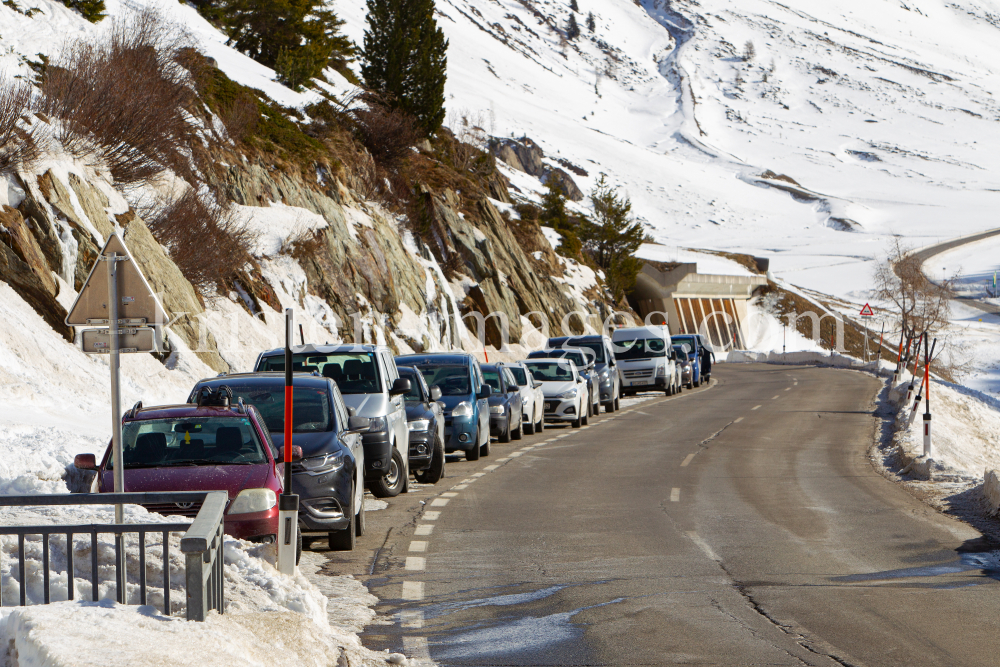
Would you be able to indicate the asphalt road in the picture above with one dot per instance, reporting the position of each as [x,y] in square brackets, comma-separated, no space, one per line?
[737,524]
[926,253]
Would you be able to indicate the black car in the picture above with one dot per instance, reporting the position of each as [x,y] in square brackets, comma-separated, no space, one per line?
[328,479]
[505,402]
[425,420]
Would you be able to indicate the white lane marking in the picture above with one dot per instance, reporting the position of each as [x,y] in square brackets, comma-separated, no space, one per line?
[642,413]
[503,460]
[439,502]
[431,515]
[448,494]
[738,420]
[417,651]
[423,529]
[788,388]
[491,468]
[755,407]
[774,397]
[515,454]
[413,590]
[467,481]
[478,474]
[411,618]
[675,495]
[794,383]
[460,487]
[418,545]
[687,459]
[703,545]
[415,563]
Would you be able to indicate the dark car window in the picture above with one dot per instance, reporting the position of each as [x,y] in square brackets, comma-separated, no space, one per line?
[493,379]
[414,395]
[689,341]
[508,378]
[579,357]
[520,377]
[152,443]
[452,380]
[311,408]
[595,346]
[682,349]
[642,348]
[354,372]
[551,371]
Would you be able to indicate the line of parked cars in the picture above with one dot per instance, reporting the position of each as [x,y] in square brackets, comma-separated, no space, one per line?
[363,418]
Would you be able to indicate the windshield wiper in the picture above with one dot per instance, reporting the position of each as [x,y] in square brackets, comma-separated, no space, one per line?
[198,462]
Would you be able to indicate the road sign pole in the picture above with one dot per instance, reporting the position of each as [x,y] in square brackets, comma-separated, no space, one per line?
[288,503]
[116,414]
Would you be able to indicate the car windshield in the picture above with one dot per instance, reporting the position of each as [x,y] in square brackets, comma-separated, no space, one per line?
[640,348]
[153,443]
[683,349]
[686,341]
[551,371]
[492,379]
[354,372]
[578,357]
[519,376]
[412,396]
[452,380]
[311,408]
[595,346]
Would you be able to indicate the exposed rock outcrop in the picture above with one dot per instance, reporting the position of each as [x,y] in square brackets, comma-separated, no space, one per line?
[525,155]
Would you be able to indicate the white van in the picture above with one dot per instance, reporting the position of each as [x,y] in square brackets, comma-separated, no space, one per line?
[645,359]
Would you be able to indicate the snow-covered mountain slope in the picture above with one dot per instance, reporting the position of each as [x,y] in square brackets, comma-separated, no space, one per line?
[882,113]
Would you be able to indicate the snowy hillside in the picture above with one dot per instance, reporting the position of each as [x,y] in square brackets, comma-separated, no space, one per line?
[881,117]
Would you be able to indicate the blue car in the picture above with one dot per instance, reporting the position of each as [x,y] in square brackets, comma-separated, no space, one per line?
[699,354]
[465,396]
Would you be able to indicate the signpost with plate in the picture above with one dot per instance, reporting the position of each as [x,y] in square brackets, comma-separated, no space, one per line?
[117,296]
[867,312]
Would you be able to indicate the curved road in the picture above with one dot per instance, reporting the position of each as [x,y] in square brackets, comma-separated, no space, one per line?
[926,253]
[739,524]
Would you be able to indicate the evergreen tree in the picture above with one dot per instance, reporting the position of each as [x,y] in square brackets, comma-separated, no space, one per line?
[299,38]
[612,238]
[92,10]
[572,29]
[572,5]
[591,24]
[406,60]
[554,215]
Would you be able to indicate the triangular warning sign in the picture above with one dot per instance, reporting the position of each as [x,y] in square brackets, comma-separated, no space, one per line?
[135,298]
[867,311]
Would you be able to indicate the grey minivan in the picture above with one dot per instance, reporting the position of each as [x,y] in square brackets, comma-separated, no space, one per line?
[371,387]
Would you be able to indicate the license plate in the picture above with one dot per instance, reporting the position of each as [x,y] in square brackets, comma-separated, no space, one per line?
[638,382]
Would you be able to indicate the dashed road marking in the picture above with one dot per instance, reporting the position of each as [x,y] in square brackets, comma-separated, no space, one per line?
[738,420]
[418,545]
[687,459]
[439,502]
[515,454]
[703,545]
[431,515]
[774,397]
[467,481]
[503,460]
[756,407]
[411,618]
[448,494]
[413,590]
[415,563]
[478,475]
[423,529]
[460,487]
[417,651]
[491,468]
[788,388]
[675,495]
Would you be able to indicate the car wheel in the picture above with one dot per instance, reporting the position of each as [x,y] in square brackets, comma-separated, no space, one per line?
[618,402]
[345,539]
[394,481]
[359,519]
[698,382]
[528,428]
[519,433]
[577,423]
[473,454]
[540,426]
[433,474]
[505,435]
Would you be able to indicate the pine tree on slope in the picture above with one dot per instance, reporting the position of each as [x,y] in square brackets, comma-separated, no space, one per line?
[406,59]
[572,29]
[591,24]
[572,5]
[92,10]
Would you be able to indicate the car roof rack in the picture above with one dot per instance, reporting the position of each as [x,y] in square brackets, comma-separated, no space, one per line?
[221,397]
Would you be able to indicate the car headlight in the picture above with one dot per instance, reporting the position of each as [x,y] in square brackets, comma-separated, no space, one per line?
[463,409]
[318,465]
[379,425]
[661,371]
[567,394]
[253,500]
[419,425]
[496,409]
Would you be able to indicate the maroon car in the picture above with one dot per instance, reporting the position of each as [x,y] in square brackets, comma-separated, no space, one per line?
[202,447]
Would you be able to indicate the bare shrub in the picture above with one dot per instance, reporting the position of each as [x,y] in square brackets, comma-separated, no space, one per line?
[203,237]
[387,133]
[121,100]
[749,51]
[19,147]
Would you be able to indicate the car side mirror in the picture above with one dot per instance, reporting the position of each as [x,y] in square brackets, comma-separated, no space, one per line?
[485,391]
[358,424]
[85,462]
[535,384]
[513,389]
[435,393]
[399,387]
[351,411]
[296,454]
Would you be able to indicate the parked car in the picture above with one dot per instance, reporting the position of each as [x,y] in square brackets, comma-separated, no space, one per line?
[368,380]
[464,395]
[645,358]
[583,358]
[684,366]
[210,446]
[696,355]
[605,364]
[532,398]
[329,479]
[505,403]
[565,394]
[425,419]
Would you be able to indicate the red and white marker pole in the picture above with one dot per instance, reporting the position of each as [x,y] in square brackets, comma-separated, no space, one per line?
[288,502]
[899,358]
[909,391]
[927,398]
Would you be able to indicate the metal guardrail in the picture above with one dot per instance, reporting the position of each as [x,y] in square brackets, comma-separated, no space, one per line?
[202,544]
